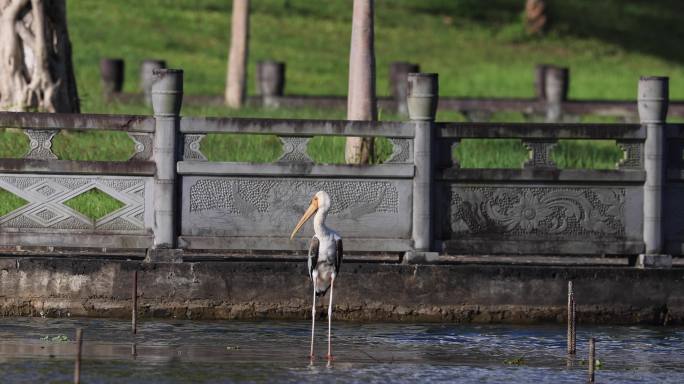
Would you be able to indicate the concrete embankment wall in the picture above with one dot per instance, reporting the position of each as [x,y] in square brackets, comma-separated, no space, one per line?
[364,291]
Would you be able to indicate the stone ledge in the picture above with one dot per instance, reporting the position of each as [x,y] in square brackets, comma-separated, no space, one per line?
[366,291]
[654,261]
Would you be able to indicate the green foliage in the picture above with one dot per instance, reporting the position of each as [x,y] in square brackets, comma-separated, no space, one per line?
[13,143]
[485,153]
[93,146]
[330,149]
[596,154]
[9,202]
[242,148]
[478,49]
[515,361]
[94,204]
[55,339]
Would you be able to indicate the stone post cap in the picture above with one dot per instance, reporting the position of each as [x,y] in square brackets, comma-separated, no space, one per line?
[653,97]
[167,91]
[422,95]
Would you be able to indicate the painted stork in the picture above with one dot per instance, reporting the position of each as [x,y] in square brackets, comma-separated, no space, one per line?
[325,257]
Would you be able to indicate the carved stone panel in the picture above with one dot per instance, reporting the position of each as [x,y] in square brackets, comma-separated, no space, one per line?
[241,206]
[402,151]
[143,146]
[294,150]
[538,212]
[633,155]
[540,154]
[46,195]
[191,148]
[40,144]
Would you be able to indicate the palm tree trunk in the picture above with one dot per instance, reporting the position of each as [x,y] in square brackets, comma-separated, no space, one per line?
[236,83]
[535,16]
[361,100]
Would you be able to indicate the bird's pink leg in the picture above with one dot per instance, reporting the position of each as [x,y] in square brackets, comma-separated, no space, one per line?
[332,282]
[313,315]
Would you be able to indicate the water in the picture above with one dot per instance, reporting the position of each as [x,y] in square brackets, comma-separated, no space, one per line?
[213,352]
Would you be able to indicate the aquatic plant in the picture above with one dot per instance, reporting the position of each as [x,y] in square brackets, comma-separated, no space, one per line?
[55,339]
[515,361]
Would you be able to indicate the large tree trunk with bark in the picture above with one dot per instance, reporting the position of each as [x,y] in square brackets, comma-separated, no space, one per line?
[36,72]
[236,81]
[361,100]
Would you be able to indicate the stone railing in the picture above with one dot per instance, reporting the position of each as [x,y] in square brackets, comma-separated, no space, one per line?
[419,201]
[551,88]
[46,184]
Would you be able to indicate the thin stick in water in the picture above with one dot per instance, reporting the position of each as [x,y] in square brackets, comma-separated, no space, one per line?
[571,319]
[574,324]
[79,346]
[592,359]
[134,308]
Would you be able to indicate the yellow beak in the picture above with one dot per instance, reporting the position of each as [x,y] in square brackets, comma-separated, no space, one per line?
[309,212]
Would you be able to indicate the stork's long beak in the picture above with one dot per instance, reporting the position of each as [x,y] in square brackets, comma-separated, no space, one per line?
[309,212]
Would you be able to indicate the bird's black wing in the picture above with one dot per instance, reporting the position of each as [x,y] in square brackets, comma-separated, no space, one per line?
[338,259]
[313,255]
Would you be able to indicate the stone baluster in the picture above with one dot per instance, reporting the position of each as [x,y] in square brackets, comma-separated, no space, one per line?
[556,85]
[167,96]
[398,76]
[270,81]
[652,105]
[112,76]
[540,81]
[147,77]
[423,95]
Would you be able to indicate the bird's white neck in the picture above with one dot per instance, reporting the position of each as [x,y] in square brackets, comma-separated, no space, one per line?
[320,229]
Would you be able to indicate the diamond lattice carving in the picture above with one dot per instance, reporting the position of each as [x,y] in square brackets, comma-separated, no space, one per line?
[9,202]
[46,214]
[46,190]
[94,204]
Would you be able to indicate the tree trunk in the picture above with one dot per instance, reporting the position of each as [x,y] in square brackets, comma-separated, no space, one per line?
[535,16]
[361,101]
[236,82]
[36,72]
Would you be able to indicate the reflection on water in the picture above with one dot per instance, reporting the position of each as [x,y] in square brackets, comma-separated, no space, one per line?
[185,351]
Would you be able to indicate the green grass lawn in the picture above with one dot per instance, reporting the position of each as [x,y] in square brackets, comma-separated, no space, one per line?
[478,48]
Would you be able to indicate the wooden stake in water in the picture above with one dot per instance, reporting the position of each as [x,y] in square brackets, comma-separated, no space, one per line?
[574,324]
[571,320]
[79,346]
[134,309]
[592,359]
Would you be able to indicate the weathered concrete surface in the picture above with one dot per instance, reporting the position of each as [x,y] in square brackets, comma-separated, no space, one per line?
[364,291]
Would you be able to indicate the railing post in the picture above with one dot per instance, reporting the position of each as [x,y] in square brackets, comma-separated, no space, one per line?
[270,77]
[167,96]
[556,85]
[540,81]
[147,78]
[652,104]
[398,80]
[423,95]
[112,76]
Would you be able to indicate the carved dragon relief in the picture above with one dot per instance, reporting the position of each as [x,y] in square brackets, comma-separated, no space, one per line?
[545,212]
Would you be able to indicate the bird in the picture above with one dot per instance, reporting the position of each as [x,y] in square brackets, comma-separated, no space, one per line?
[325,258]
